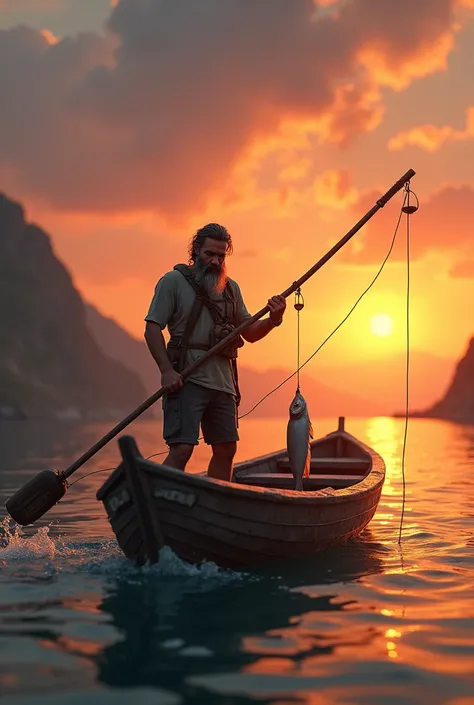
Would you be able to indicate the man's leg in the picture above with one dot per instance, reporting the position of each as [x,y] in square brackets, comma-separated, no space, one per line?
[179,455]
[220,465]
[182,412]
[219,425]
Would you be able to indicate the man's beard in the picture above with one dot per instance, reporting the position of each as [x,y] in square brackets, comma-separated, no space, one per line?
[211,277]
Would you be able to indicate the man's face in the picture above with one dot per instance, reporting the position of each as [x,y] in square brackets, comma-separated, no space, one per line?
[210,266]
[212,254]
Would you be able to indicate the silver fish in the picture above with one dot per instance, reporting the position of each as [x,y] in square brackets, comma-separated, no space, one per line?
[298,433]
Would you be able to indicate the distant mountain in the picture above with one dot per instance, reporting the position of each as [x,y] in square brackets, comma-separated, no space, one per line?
[323,401]
[50,364]
[457,404]
[115,342]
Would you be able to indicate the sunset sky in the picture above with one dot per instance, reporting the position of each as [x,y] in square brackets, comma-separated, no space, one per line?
[123,129]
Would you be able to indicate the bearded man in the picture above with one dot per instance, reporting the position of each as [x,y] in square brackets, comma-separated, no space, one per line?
[207,398]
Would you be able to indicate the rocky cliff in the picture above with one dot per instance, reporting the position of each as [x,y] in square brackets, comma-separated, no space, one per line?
[458,402]
[50,364]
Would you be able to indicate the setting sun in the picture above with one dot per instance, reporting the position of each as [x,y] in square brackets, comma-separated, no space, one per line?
[381,325]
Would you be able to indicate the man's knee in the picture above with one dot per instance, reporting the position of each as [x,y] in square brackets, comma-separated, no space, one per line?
[180,453]
[224,451]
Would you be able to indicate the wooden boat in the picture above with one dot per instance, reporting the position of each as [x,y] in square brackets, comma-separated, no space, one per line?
[256,517]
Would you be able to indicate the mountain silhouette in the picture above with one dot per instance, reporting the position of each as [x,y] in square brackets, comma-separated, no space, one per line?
[50,363]
[457,404]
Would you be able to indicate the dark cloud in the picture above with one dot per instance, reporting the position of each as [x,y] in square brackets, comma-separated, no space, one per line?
[60,16]
[157,114]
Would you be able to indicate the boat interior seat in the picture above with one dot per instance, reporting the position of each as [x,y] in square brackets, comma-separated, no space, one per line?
[325,465]
[285,481]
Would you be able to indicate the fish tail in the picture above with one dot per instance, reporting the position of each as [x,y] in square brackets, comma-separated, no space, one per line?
[299,484]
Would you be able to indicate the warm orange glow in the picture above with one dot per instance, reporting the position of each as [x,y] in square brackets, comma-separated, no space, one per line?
[270,665]
[117,260]
[427,137]
[429,59]
[80,647]
[306,168]
[334,190]
[49,36]
[381,325]
[431,138]
[392,634]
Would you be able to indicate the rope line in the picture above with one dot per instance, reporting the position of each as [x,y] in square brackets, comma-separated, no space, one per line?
[408,210]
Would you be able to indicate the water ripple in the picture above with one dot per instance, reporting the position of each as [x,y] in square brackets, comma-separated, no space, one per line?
[371,622]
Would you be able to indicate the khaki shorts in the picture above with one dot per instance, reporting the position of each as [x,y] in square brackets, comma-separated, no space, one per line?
[194,406]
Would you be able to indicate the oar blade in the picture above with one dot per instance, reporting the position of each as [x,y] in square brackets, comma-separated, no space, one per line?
[36,497]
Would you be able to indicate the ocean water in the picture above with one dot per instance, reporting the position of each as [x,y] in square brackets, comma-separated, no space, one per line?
[373,621]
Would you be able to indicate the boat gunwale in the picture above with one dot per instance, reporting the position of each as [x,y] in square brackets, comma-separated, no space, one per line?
[202,482]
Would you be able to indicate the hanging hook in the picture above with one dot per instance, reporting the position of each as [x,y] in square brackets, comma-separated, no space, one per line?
[410,209]
[299,300]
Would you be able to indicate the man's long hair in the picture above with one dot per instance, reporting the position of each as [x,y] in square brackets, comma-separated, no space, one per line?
[214,231]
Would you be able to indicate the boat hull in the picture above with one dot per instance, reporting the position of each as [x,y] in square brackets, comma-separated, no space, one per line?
[234,524]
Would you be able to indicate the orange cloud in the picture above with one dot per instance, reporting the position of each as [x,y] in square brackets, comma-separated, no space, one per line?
[135,121]
[355,109]
[333,190]
[388,70]
[431,138]
[49,36]
[462,270]
[442,223]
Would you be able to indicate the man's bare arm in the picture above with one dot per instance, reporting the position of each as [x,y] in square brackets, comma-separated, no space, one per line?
[170,379]
[259,329]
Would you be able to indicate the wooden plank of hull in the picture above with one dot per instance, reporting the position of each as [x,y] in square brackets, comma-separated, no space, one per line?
[324,465]
[270,507]
[123,517]
[257,519]
[215,535]
[231,538]
[235,524]
[126,528]
[327,447]
[192,543]
[285,481]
